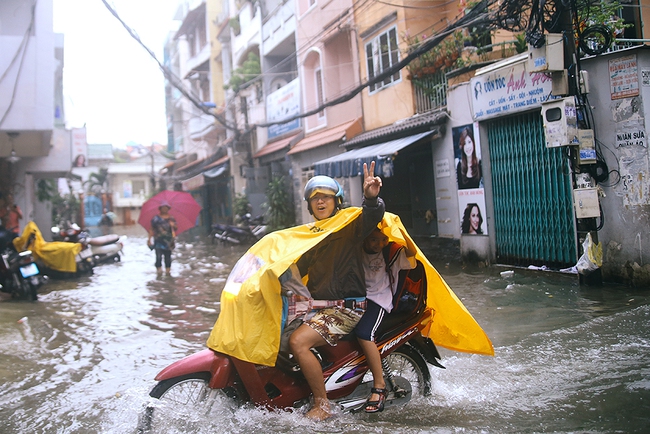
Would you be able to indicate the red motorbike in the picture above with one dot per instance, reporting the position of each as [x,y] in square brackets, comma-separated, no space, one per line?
[188,390]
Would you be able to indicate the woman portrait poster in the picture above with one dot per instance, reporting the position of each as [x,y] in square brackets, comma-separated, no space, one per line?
[471,205]
[467,153]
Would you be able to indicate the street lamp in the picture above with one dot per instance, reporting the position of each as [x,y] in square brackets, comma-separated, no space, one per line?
[13,157]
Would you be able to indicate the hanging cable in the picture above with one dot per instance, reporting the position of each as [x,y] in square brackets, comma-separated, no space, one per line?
[169,75]
[22,52]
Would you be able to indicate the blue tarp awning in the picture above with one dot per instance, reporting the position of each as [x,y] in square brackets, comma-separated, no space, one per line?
[216,171]
[350,163]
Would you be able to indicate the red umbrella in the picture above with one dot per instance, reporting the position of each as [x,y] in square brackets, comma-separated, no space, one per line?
[182,205]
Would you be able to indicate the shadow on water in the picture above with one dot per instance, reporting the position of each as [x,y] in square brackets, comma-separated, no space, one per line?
[83,358]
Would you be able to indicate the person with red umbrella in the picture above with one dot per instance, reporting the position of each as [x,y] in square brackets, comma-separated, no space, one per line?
[162,236]
[164,216]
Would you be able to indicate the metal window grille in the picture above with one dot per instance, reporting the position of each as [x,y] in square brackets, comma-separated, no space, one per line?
[430,91]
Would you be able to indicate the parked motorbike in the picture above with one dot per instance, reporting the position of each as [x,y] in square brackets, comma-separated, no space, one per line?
[188,389]
[103,249]
[59,260]
[249,230]
[19,274]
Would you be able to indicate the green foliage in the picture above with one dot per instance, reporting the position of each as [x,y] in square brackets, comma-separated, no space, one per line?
[235,25]
[444,56]
[97,181]
[46,190]
[603,12]
[520,44]
[240,205]
[249,70]
[280,208]
[65,208]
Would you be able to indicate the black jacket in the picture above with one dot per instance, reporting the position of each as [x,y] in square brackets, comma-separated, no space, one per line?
[334,265]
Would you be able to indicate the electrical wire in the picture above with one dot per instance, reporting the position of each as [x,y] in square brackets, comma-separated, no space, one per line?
[169,75]
[473,17]
[509,15]
[22,52]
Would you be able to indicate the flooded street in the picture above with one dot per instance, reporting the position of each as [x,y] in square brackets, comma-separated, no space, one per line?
[82,359]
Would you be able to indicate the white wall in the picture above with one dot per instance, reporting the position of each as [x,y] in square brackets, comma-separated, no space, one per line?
[32,107]
[626,206]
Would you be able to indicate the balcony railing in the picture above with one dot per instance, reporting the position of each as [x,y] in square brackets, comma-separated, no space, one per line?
[430,91]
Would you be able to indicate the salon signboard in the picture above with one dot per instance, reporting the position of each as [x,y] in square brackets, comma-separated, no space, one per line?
[507,90]
[283,104]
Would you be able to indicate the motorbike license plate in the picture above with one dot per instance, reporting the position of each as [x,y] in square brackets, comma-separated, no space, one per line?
[29,270]
[86,253]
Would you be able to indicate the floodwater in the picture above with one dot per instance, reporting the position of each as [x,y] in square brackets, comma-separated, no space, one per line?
[82,359]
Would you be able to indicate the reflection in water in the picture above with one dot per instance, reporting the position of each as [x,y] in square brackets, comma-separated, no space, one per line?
[83,358]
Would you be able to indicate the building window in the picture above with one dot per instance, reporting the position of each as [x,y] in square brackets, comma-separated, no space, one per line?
[319,91]
[203,40]
[191,43]
[205,89]
[138,188]
[381,54]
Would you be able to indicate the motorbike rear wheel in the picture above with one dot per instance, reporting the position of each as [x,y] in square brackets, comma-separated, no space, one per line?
[23,289]
[31,290]
[408,363]
[183,404]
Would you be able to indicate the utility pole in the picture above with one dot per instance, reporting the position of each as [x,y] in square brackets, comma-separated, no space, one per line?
[584,226]
[153,173]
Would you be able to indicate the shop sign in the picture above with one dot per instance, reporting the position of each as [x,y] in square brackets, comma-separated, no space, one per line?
[623,77]
[193,183]
[508,90]
[282,104]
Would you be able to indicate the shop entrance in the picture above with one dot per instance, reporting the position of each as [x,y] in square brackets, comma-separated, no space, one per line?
[532,195]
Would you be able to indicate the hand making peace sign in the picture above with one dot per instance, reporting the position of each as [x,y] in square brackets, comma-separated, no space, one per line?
[371,183]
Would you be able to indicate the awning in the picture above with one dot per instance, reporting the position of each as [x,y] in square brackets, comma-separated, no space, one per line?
[189,165]
[219,162]
[350,163]
[217,171]
[338,133]
[275,146]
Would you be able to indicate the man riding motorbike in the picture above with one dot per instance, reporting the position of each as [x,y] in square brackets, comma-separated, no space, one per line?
[335,272]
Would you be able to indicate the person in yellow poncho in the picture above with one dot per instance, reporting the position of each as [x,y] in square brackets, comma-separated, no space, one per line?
[335,271]
[253,291]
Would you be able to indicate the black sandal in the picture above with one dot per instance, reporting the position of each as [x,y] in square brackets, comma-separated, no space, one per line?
[376,406]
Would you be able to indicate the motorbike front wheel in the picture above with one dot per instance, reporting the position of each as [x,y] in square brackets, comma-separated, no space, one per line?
[408,363]
[185,404]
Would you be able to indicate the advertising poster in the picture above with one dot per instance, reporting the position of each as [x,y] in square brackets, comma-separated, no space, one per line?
[469,177]
[79,147]
[623,77]
[472,212]
[282,104]
[127,189]
[467,156]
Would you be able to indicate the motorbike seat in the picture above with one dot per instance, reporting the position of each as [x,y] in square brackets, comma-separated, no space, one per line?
[104,240]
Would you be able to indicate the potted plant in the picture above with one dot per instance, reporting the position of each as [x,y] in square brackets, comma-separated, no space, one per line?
[235,25]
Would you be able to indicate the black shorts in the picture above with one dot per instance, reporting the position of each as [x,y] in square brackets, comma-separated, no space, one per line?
[370,321]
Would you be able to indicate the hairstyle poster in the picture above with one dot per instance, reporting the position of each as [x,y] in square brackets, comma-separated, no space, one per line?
[467,156]
[79,147]
[472,212]
[469,178]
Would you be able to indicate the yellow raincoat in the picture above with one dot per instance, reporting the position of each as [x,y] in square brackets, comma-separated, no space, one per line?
[56,255]
[248,326]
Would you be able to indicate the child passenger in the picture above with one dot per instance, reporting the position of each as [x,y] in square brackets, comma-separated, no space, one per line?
[380,287]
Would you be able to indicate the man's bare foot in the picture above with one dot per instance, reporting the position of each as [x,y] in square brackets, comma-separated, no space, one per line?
[320,411]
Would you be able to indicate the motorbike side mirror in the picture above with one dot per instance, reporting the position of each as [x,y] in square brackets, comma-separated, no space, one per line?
[55,230]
